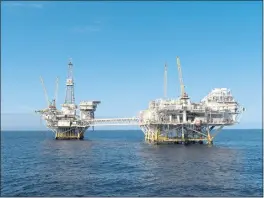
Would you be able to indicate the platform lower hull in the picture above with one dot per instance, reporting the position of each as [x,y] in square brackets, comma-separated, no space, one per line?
[179,134]
[69,138]
[178,141]
[70,133]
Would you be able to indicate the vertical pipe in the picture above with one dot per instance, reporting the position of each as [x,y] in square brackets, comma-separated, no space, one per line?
[165,81]
[182,133]
[210,116]
[184,116]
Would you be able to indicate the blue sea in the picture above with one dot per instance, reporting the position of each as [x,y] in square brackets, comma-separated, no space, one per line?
[120,163]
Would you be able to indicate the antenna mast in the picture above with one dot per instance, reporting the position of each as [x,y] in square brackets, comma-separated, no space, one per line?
[69,99]
[165,81]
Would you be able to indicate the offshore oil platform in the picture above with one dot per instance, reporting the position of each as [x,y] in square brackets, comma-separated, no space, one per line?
[177,121]
[182,121]
[65,123]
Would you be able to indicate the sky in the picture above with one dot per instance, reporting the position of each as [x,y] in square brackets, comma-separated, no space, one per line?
[119,50]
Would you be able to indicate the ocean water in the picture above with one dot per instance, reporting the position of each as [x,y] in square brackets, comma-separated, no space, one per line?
[119,163]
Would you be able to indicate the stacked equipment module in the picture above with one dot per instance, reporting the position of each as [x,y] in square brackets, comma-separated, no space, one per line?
[65,123]
[182,121]
[165,121]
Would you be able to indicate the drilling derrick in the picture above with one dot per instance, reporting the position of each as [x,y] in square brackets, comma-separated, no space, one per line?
[175,120]
[65,123]
[69,98]
[181,121]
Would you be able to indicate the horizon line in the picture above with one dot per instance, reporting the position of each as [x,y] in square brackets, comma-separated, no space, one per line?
[42,130]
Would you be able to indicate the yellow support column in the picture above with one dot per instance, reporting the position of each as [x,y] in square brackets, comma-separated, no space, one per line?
[167,135]
[157,135]
[209,138]
[146,136]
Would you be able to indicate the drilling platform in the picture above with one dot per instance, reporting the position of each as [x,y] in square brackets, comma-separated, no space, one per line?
[65,123]
[178,121]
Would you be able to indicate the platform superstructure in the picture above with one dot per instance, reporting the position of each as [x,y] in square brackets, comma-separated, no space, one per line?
[176,120]
[66,123]
[182,121]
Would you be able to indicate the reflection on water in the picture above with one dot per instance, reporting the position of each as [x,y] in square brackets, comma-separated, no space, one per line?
[122,164]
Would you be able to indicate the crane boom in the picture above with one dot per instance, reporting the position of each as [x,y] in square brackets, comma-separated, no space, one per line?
[180,77]
[56,90]
[45,91]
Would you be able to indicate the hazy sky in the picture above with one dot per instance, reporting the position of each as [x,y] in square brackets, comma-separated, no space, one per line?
[119,50]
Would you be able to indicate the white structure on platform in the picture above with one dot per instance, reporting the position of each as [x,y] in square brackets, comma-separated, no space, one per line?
[181,120]
[166,120]
[66,123]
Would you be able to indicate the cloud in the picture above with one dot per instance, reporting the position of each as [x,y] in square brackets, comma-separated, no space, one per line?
[86,29]
[29,5]
[94,27]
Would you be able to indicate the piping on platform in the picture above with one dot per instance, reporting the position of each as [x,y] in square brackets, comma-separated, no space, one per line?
[165,120]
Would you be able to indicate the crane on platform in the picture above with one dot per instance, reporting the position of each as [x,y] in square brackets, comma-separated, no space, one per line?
[53,102]
[66,123]
[183,94]
[56,91]
[177,120]
[45,91]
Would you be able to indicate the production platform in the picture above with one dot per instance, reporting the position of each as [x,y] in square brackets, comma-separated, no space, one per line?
[177,121]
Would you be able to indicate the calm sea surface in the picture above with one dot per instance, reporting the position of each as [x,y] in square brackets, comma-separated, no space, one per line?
[119,163]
